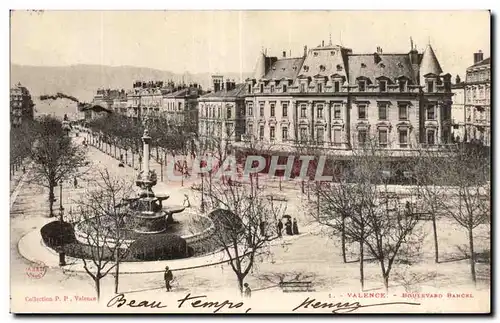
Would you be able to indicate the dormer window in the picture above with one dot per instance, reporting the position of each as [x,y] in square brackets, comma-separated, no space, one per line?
[336,86]
[339,67]
[284,87]
[272,88]
[382,85]
[261,88]
[315,53]
[306,68]
[322,68]
[382,65]
[332,52]
[361,85]
[320,87]
[430,86]
[402,85]
[400,65]
[363,65]
[249,88]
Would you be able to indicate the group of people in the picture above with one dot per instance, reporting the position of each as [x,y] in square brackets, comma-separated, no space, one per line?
[291,228]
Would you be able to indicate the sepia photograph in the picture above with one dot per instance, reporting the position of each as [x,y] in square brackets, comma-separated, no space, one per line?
[250,161]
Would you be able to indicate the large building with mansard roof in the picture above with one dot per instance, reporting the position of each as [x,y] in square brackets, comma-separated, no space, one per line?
[336,99]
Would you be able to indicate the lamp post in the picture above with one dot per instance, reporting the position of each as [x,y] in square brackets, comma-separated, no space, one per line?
[62,256]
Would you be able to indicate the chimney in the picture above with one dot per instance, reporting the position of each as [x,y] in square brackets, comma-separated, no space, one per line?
[284,54]
[322,43]
[228,85]
[376,58]
[305,51]
[478,56]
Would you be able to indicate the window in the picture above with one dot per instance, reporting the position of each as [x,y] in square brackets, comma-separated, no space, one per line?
[382,86]
[250,128]
[337,111]
[320,111]
[302,87]
[320,134]
[273,108]
[303,110]
[250,109]
[262,88]
[272,88]
[261,108]
[382,111]
[337,133]
[285,109]
[431,112]
[403,138]
[229,129]
[361,111]
[336,86]
[431,136]
[303,134]
[430,86]
[284,87]
[272,133]
[320,87]
[402,85]
[361,137]
[229,112]
[249,88]
[218,112]
[403,112]
[261,132]
[284,133]
[382,137]
[361,85]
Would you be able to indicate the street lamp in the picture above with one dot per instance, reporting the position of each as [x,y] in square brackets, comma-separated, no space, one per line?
[62,256]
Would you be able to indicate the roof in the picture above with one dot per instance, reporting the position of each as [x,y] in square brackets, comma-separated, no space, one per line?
[486,61]
[391,66]
[177,94]
[324,61]
[430,63]
[239,91]
[283,68]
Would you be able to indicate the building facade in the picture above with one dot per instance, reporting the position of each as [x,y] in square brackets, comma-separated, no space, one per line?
[21,105]
[477,101]
[334,99]
[458,111]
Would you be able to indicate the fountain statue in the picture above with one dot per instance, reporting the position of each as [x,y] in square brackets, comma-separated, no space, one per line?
[147,209]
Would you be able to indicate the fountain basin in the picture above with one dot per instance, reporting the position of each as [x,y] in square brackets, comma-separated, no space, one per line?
[149,222]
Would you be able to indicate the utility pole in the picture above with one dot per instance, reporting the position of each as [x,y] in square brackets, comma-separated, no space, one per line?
[62,256]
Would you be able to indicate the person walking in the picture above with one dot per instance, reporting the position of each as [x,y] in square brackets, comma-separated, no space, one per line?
[280,227]
[168,276]
[295,227]
[75,182]
[288,227]
[248,291]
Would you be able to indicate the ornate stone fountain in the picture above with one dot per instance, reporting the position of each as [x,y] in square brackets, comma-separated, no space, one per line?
[146,210]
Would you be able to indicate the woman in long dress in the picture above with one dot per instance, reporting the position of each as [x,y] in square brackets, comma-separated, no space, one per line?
[288,227]
[295,227]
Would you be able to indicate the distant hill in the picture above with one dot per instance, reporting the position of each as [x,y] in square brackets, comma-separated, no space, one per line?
[81,81]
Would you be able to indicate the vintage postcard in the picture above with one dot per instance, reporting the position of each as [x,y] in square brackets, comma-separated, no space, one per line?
[250,162]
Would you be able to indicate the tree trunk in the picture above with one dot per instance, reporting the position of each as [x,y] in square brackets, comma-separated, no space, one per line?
[117,273]
[343,239]
[361,265]
[386,282]
[302,187]
[472,256]
[97,282]
[51,201]
[240,285]
[434,229]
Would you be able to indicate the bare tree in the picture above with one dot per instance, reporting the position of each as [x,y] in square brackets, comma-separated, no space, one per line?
[468,201]
[103,210]
[245,225]
[55,156]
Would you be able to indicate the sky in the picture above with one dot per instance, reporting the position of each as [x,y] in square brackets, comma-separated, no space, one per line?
[230,41]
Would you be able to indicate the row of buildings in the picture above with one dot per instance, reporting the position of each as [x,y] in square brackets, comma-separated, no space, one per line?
[334,98]
[471,110]
[21,105]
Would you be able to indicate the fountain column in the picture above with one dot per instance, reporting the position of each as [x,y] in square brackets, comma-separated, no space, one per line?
[146,139]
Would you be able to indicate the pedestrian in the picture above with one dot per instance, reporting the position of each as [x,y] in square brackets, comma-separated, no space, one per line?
[295,226]
[288,227]
[24,170]
[248,291]
[168,276]
[75,182]
[186,200]
[121,157]
[280,227]
[262,226]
